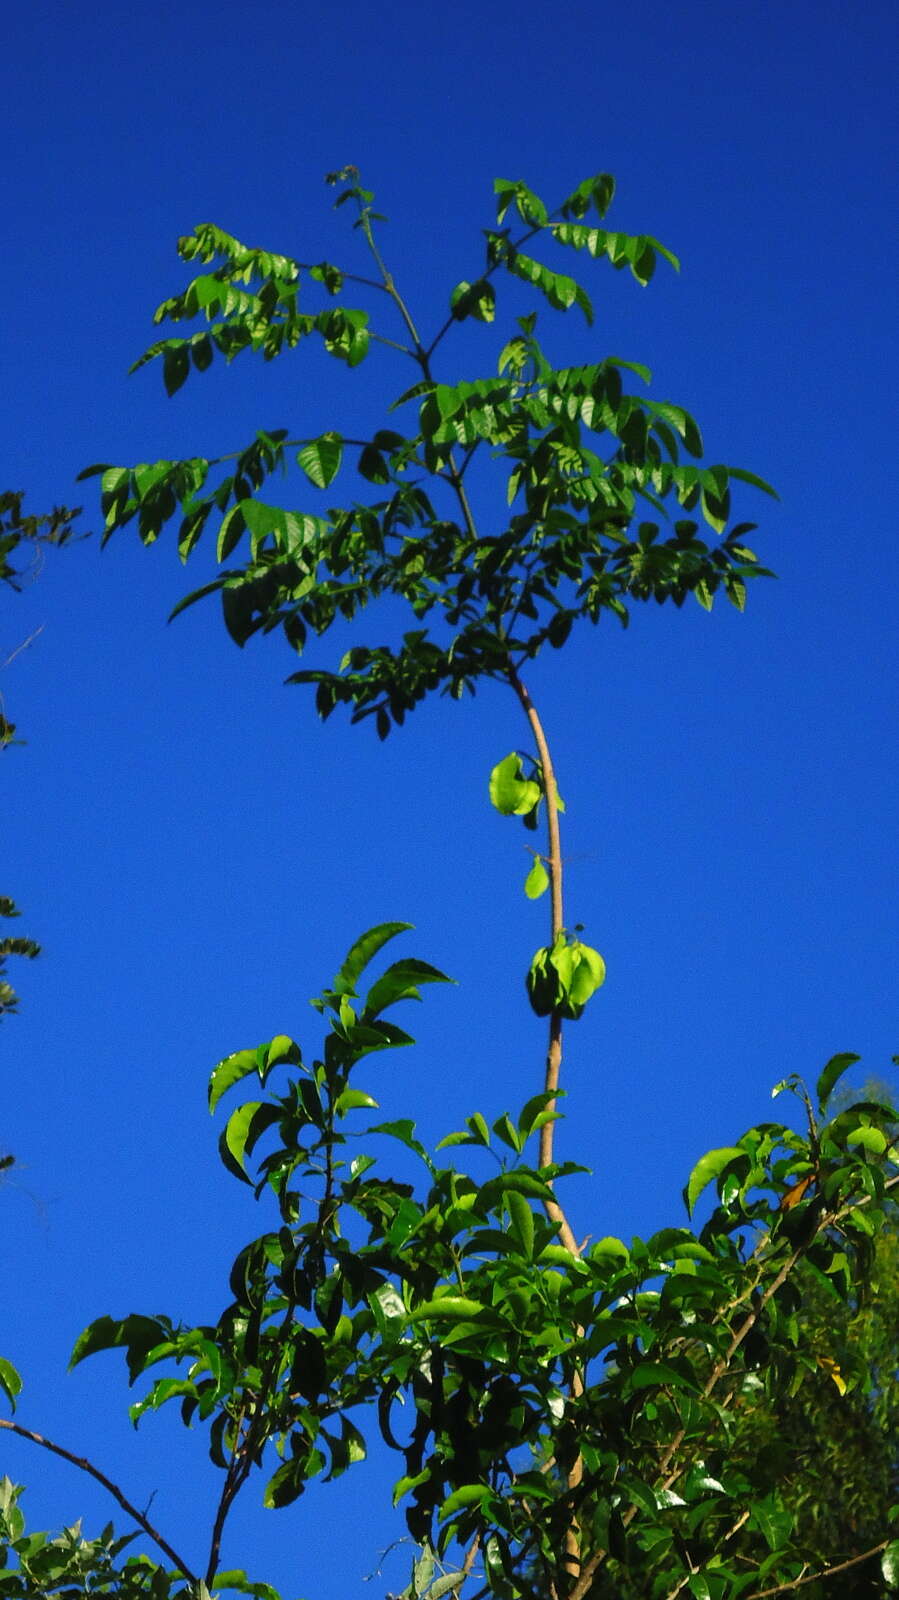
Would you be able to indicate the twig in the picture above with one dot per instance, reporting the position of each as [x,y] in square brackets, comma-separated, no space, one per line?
[112,1488]
[23,646]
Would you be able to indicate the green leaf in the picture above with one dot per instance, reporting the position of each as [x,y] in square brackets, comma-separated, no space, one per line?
[241,1132]
[537,880]
[522,1219]
[400,982]
[831,1075]
[656,1374]
[321,459]
[757,483]
[286,1486]
[235,1578]
[510,792]
[10,1381]
[708,1168]
[478,1125]
[113,479]
[175,366]
[474,300]
[354,1100]
[773,1521]
[450,1305]
[363,951]
[869,1139]
[281,1049]
[231,531]
[138,1335]
[230,1071]
[470,1494]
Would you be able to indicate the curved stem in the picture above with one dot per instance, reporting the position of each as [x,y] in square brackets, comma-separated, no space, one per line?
[112,1488]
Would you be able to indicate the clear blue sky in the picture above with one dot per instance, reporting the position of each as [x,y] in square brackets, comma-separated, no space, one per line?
[195,852]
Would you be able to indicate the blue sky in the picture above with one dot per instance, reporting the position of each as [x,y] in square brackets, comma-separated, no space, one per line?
[196,852]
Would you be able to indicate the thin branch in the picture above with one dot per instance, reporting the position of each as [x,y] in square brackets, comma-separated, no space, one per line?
[467,1564]
[24,645]
[391,288]
[815,1577]
[112,1488]
[235,1477]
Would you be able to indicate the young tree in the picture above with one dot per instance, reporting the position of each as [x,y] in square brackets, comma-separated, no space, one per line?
[577,1420]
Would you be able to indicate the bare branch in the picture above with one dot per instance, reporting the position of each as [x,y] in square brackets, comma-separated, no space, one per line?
[112,1488]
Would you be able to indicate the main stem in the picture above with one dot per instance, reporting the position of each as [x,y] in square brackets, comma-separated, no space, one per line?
[554,1059]
[554,866]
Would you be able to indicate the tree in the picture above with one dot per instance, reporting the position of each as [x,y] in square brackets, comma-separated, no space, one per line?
[575,1416]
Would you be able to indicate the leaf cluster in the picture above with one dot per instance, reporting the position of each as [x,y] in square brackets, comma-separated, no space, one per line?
[584,460]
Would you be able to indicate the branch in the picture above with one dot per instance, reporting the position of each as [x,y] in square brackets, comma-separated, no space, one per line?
[112,1488]
[723,1363]
[467,1564]
[553,1063]
[814,1577]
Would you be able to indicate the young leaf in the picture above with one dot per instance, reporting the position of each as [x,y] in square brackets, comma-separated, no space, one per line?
[537,880]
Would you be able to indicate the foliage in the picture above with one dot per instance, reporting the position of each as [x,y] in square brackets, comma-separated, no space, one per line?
[17,533]
[569,1421]
[571,549]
